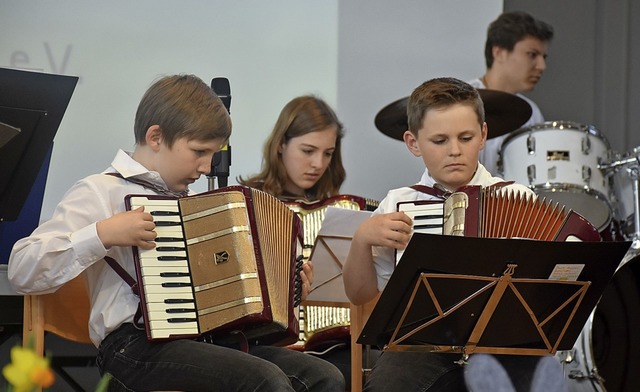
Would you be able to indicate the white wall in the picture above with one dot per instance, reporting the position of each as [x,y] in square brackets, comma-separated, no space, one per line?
[358,55]
[388,48]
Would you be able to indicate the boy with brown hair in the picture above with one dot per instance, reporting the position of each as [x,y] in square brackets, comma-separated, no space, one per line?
[180,123]
[447,130]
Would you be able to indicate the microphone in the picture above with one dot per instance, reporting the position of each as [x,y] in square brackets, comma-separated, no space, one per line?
[222,159]
[222,89]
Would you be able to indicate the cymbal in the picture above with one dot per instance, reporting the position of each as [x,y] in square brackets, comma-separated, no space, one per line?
[504,113]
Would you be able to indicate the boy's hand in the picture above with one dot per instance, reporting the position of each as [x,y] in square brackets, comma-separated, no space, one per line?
[130,228]
[306,275]
[392,230]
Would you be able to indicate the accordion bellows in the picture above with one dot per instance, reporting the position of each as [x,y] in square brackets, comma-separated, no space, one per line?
[494,212]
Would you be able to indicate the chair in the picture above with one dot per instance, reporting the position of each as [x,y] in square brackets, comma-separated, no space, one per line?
[64,313]
[359,314]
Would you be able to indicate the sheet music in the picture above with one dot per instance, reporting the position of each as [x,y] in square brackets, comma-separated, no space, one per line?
[330,252]
[342,222]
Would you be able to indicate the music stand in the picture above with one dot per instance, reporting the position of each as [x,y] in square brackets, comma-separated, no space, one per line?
[32,105]
[482,295]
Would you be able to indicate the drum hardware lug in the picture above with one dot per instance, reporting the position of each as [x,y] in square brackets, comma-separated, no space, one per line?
[633,173]
[531,145]
[579,375]
[586,173]
[566,356]
[586,145]
[531,173]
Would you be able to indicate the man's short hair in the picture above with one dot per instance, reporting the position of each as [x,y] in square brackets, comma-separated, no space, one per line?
[512,27]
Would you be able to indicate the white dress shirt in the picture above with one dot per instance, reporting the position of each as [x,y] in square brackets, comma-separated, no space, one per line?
[68,244]
[384,257]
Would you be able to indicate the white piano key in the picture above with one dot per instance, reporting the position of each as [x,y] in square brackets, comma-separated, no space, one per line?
[162,306]
[174,327]
[168,291]
[154,254]
[164,316]
[160,280]
[161,297]
[150,202]
[161,330]
[164,268]
[169,231]
[164,263]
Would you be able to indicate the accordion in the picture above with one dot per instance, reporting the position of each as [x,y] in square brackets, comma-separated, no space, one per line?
[322,322]
[494,212]
[225,261]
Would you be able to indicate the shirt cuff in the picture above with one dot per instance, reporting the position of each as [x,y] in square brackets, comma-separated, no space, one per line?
[87,244]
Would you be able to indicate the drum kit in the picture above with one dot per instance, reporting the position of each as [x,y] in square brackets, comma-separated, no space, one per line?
[573,164]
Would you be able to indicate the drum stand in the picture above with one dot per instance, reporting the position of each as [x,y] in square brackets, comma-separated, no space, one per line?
[634,172]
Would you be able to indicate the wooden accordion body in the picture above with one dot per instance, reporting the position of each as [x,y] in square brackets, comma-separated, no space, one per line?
[321,321]
[225,261]
[495,212]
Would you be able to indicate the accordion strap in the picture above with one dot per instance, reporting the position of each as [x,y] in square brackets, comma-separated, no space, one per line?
[131,282]
[441,193]
[437,192]
[123,274]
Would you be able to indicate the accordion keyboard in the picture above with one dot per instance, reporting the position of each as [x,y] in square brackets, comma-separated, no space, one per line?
[165,272]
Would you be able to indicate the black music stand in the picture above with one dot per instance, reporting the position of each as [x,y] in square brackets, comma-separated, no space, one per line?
[32,105]
[479,295]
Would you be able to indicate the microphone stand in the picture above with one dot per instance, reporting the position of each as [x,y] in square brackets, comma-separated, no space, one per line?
[221,160]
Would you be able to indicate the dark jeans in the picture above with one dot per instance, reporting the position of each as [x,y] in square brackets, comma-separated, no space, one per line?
[416,371]
[187,365]
[434,372]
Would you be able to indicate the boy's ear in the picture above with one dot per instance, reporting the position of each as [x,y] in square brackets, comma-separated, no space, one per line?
[484,133]
[498,52]
[153,137]
[412,143]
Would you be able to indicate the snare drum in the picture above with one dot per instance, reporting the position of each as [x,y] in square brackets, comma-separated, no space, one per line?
[559,161]
[605,356]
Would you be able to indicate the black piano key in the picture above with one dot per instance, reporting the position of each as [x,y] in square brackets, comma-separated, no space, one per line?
[173,274]
[179,301]
[423,227]
[182,320]
[169,239]
[419,217]
[167,223]
[181,310]
[164,213]
[170,249]
[176,284]
[171,258]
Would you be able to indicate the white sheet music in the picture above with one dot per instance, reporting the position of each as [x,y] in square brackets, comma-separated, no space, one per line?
[330,252]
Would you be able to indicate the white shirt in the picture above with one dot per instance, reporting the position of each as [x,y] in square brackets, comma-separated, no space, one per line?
[384,257]
[490,154]
[68,244]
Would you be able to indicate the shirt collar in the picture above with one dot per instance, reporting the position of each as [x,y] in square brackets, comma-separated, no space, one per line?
[132,170]
[479,177]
